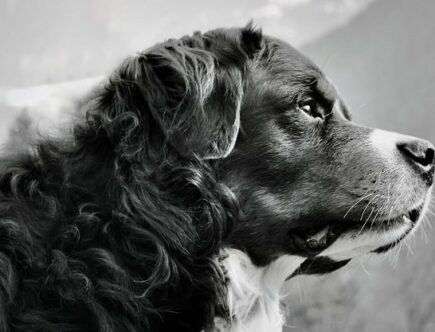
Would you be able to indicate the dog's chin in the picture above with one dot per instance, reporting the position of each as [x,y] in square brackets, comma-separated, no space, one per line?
[347,239]
[333,246]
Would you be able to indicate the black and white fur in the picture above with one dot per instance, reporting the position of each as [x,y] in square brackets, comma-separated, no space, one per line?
[202,175]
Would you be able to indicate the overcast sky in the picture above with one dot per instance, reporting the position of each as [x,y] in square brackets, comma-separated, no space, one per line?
[46,41]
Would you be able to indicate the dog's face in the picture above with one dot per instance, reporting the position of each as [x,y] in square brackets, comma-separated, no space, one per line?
[310,181]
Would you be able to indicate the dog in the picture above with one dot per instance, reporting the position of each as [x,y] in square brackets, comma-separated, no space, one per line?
[204,173]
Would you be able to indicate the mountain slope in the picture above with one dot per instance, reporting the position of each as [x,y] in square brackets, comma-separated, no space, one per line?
[383,63]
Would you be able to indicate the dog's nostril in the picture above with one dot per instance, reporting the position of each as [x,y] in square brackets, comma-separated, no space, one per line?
[419,152]
[430,156]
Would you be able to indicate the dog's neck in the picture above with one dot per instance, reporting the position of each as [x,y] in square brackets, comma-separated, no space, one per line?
[253,293]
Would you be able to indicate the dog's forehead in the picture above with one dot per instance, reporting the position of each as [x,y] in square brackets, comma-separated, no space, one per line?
[292,68]
[325,87]
[288,66]
[286,57]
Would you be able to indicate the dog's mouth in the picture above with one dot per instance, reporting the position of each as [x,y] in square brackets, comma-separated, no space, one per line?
[312,240]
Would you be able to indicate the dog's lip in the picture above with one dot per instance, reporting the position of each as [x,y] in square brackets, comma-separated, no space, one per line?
[313,240]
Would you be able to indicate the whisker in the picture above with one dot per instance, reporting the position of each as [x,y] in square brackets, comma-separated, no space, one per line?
[359,201]
[366,221]
[368,204]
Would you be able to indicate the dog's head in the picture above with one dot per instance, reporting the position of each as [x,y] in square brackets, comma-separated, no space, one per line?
[309,181]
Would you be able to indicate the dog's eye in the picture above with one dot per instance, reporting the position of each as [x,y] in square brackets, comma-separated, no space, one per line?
[310,108]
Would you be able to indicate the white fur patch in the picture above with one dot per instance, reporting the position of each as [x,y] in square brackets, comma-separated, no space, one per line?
[385,143]
[352,245]
[253,293]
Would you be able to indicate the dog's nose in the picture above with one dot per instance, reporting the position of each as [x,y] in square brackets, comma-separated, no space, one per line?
[419,153]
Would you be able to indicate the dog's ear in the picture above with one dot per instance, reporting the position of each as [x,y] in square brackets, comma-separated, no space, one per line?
[252,39]
[194,89]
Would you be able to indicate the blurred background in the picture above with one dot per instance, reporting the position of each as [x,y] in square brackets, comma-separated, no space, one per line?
[379,53]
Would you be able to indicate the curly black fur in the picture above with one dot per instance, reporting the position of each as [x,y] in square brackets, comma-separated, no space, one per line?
[118,227]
